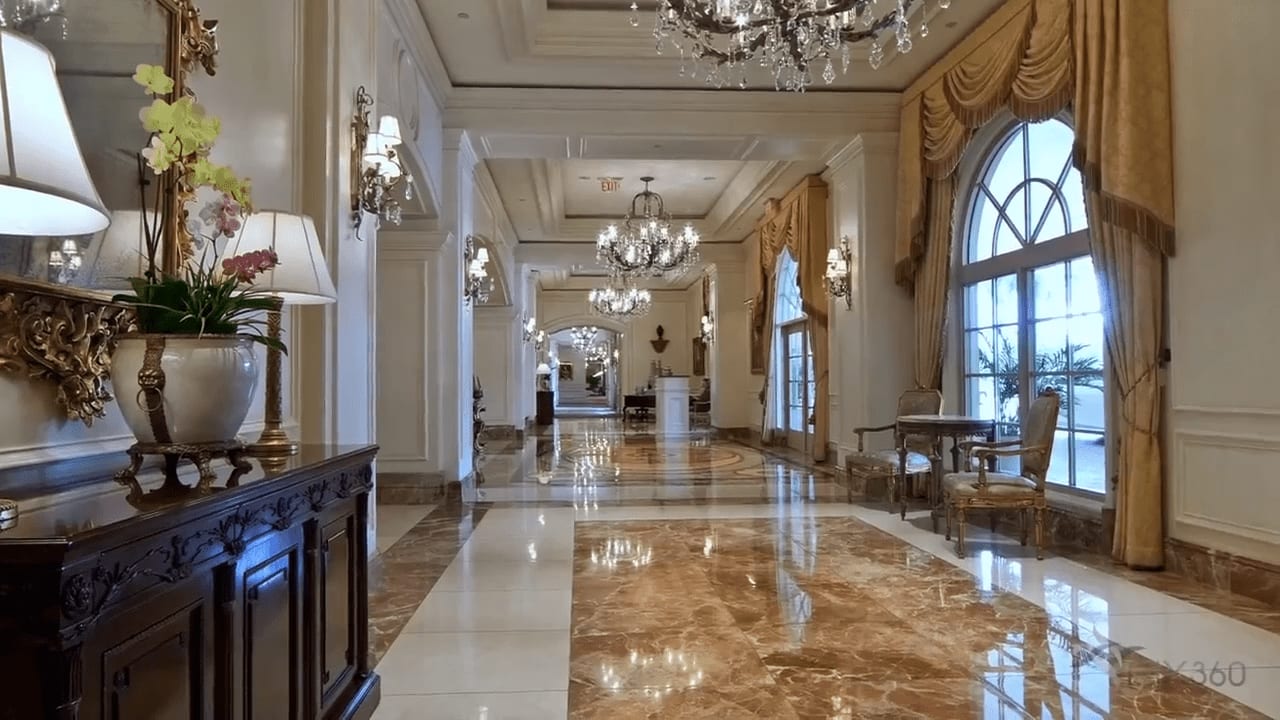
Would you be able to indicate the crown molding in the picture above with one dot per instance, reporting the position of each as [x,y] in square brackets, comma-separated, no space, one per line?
[862,144]
[408,19]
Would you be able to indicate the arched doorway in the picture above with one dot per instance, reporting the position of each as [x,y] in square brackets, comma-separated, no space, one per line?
[584,362]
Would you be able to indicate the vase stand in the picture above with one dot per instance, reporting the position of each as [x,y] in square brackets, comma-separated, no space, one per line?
[201,455]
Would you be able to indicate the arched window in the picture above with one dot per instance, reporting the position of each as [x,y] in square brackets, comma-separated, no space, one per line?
[1031,311]
[792,378]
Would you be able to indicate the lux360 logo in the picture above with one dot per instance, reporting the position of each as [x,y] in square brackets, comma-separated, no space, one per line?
[1214,673]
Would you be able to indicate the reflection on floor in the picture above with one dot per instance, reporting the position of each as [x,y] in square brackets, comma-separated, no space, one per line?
[611,575]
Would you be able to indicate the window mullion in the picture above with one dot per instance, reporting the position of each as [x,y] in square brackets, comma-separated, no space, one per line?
[1026,312]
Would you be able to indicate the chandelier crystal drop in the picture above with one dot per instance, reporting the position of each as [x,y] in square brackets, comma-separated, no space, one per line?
[620,300]
[795,39]
[645,244]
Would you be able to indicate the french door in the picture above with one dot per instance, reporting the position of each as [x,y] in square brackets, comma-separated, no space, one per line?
[798,383]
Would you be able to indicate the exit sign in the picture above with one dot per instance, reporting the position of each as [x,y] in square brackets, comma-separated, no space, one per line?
[610,184]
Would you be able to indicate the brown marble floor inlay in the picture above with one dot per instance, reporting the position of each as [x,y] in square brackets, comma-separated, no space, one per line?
[831,618]
[401,577]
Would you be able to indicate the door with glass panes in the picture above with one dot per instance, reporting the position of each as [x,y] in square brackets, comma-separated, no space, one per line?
[799,385]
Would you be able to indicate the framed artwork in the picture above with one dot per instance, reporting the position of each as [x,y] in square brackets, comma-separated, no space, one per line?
[566,371]
[699,357]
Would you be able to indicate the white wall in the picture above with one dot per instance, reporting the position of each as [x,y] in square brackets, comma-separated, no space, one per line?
[1223,439]
[872,344]
[498,357]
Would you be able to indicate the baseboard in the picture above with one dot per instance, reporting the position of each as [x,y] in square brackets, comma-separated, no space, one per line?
[1224,571]
[410,488]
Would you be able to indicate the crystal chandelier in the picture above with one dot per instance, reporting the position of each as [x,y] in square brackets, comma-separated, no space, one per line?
[583,337]
[25,16]
[645,244]
[620,300]
[793,38]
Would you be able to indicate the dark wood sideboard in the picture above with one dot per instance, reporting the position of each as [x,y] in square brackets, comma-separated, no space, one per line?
[250,603]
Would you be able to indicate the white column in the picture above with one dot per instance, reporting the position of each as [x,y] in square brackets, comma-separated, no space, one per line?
[733,387]
[499,358]
[872,344]
[453,367]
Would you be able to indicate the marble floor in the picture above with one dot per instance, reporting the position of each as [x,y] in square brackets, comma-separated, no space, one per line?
[598,573]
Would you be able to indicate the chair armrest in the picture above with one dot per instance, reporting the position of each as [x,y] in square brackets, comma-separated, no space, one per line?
[861,431]
[971,445]
[984,453]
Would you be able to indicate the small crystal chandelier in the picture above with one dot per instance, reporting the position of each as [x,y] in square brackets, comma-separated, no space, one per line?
[25,16]
[620,300]
[477,285]
[645,244]
[722,38]
[583,337]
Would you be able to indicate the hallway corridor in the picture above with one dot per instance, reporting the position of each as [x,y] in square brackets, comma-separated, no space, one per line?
[598,573]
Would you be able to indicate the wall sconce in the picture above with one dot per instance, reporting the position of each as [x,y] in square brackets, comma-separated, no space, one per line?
[530,327]
[478,284]
[377,169]
[837,277]
[707,333]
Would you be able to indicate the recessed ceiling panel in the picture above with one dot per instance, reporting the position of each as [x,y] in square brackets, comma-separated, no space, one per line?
[658,146]
[689,188]
[526,146]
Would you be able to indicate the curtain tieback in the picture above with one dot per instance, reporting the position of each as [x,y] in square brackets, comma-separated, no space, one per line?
[1125,392]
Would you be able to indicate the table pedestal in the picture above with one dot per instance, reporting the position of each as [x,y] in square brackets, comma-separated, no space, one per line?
[673,405]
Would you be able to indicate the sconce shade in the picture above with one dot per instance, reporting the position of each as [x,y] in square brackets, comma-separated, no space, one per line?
[833,256]
[45,188]
[389,130]
[301,278]
[543,369]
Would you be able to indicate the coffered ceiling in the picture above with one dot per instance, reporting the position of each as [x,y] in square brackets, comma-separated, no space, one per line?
[591,44]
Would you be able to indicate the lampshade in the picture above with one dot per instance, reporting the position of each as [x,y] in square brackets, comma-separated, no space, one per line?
[301,278]
[45,188]
[120,253]
[389,129]
[833,256]
[543,369]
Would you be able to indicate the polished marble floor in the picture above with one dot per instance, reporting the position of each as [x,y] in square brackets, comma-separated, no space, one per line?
[598,573]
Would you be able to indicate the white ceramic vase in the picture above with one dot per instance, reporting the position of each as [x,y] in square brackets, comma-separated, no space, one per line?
[206,390]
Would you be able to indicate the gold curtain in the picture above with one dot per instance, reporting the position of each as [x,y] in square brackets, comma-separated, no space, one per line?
[1034,58]
[931,285]
[799,223]
[1124,141]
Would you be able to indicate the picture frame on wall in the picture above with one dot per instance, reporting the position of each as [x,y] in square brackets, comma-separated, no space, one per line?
[566,371]
[699,357]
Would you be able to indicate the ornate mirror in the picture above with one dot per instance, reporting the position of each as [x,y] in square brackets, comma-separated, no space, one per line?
[97,44]
[56,321]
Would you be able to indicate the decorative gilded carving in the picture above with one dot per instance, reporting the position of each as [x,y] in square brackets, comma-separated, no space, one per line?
[65,338]
[199,40]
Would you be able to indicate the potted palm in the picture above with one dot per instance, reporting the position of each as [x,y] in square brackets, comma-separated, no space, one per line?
[186,378]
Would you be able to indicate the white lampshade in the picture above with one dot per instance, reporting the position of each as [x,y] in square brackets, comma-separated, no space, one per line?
[833,256]
[389,129]
[301,278]
[120,253]
[45,188]
[543,369]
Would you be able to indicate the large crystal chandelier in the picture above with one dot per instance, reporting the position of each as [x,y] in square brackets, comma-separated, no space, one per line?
[583,337]
[620,300]
[793,38]
[645,244]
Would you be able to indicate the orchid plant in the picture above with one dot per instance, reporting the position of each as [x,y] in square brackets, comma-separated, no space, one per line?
[206,297]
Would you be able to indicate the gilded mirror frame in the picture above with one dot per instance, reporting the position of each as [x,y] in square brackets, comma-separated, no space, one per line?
[64,336]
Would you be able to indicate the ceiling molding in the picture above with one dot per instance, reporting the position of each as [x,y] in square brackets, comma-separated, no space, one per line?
[489,193]
[408,19]
[544,195]
[757,179]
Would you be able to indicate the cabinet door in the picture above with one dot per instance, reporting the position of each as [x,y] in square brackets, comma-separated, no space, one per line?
[266,637]
[338,601]
[158,673]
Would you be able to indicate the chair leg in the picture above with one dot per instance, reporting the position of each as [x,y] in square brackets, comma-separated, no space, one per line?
[960,520]
[995,521]
[891,489]
[1022,521]
[1040,533]
[946,508]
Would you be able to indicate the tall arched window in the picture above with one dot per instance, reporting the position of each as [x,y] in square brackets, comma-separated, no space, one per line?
[1031,311]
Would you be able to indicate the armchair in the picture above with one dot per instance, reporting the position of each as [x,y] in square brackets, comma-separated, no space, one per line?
[876,464]
[991,490]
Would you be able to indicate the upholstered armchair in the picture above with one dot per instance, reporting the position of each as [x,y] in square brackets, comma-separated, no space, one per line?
[875,464]
[992,490]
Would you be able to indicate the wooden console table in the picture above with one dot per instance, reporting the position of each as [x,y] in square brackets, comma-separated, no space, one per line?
[250,602]
[937,427]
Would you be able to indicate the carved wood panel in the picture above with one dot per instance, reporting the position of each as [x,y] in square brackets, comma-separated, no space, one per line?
[271,612]
[337,553]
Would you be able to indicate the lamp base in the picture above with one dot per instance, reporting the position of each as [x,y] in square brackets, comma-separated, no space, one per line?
[8,514]
[273,442]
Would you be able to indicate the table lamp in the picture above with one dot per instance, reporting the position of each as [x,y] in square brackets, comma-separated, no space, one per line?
[45,188]
[301,278]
